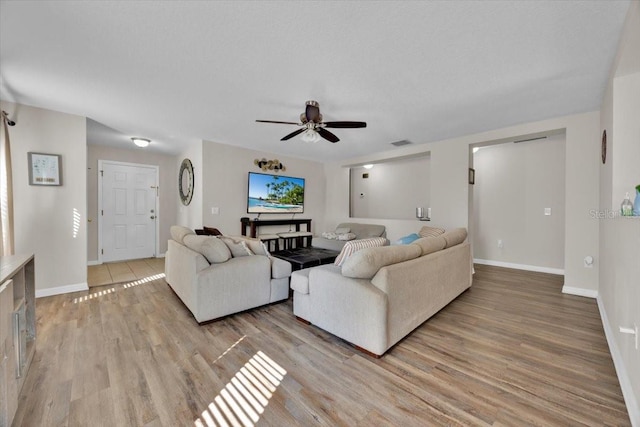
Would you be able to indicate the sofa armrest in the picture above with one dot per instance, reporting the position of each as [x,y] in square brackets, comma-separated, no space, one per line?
[181,267]
[280,268]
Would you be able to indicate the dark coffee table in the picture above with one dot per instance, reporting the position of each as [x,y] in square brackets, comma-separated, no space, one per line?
[306,257]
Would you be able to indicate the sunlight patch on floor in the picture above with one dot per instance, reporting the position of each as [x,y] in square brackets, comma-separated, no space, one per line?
[243,399]
[113,289]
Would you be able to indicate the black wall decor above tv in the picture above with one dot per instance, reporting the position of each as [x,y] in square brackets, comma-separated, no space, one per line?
[274,194]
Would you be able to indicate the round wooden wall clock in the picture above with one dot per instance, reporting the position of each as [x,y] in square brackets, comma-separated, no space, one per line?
[185,182]
[604,147]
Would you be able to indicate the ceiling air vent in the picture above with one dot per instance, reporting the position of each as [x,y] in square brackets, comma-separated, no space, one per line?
[401,143]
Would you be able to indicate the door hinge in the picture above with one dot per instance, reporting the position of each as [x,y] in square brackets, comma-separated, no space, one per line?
[101,173]
[102,212]
[102,251]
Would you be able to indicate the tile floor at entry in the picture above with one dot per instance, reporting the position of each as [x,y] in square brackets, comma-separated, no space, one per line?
[124,271]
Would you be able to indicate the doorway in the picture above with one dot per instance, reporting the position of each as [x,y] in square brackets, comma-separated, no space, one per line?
[127,211]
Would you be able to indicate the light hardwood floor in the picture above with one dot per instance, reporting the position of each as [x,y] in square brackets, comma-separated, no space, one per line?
[510,351]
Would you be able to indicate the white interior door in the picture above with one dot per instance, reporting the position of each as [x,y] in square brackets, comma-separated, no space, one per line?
[128,211]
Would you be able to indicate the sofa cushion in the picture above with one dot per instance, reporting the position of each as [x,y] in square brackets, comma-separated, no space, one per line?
[211,247]
[342,230]
[455,236]
[178,232]
[430,245]
[365,263]
[238,247]
[427,231]
[353,246]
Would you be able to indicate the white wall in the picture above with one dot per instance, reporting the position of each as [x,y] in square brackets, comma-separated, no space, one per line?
[626,152]
[619,293]
[450,188]
[44,216]
[168,184]
[514,184]
[225,186]
[392,190]
[191,216]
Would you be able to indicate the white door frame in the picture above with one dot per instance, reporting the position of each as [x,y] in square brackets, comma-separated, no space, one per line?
[157,202]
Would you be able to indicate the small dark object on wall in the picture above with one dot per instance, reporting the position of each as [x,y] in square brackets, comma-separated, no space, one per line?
[472,176]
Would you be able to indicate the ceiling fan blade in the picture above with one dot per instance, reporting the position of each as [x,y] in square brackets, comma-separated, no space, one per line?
[313,112]
[345,125]
[292,134]
[327,135]
[274,121]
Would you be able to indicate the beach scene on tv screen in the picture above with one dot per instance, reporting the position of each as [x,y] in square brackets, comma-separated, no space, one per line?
[275,194]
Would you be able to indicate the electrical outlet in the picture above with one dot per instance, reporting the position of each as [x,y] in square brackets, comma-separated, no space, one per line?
[547,211]
[215,211]
[588,261]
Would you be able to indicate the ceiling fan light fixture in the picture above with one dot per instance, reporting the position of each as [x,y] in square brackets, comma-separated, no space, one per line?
[310,135]
[141,142]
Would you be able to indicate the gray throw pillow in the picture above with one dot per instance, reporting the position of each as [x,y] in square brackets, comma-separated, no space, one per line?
[214,250]
[238,248]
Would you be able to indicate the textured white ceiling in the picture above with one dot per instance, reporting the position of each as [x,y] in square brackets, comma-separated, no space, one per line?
[180,72]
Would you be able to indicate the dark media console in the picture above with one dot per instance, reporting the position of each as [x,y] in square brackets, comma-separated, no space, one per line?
[254,224]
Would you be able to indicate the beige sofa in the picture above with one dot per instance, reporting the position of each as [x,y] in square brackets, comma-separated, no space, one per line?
[214,278]
[382,294]
[361,231]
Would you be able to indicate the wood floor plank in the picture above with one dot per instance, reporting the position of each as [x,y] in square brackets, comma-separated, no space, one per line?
[511,350]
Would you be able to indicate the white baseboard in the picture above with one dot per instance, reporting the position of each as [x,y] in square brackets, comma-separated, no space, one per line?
[520,266]
[630,398]
[589,293]
[47,292]
[98,262]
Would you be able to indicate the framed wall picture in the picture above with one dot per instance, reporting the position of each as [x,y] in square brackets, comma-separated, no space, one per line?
[45,169]
[472,176]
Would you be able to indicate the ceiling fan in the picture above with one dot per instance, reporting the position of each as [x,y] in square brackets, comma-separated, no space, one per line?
[312,125]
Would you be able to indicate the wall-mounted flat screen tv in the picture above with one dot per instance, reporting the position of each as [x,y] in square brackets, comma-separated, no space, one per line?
[275,194]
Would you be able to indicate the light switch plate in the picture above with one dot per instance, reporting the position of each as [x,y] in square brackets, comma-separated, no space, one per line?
[215,211]
[547,211]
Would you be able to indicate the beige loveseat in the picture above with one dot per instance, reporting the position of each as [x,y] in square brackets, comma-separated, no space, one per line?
[358,231]
[381,294]
[215,277]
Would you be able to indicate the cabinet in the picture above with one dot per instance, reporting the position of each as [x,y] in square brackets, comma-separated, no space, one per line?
[17,329]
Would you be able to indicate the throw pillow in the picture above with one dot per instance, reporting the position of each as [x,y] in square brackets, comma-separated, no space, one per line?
[345,236]
[214,250]
[407,239]
[211,231]
[342,230]
[365,263]
[178,232]
[427,231]
[238,248]
[256,246]
[353,246]
[330,235]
